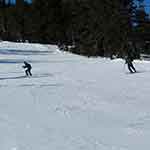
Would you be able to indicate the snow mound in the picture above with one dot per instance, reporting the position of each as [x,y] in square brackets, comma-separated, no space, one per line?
[4,45]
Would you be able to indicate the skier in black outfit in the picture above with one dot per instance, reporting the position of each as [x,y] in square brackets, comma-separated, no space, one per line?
[28,68]
[129,61]
[131,55]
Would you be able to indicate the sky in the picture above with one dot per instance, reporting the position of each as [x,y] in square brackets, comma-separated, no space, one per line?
[13,1]
[147,2]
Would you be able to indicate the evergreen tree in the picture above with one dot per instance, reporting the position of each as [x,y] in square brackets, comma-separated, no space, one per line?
[94,28]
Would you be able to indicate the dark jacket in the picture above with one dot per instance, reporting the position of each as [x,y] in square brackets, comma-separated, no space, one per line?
[27,65]
[129,60]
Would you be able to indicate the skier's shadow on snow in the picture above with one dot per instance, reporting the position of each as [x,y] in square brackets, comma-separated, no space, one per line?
[11,78]
[137,72]
[21,77]
[22,52]
[17,61]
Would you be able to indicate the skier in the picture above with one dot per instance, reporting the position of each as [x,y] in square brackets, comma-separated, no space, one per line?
[129,61]
[28,68]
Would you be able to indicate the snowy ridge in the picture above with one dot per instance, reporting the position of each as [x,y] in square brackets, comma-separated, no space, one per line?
[26,46]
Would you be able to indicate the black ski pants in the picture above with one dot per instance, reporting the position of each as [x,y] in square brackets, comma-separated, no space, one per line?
[28,72]
[131,68]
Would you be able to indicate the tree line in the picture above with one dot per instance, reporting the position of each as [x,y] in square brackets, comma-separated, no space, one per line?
[91,28]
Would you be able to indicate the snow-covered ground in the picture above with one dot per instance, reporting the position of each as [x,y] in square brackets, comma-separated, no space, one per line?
[71,102]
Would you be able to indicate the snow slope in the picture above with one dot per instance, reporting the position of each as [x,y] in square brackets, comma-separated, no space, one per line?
[71,102]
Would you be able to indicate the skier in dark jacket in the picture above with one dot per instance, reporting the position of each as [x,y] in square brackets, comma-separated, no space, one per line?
[28,68]
[129,61]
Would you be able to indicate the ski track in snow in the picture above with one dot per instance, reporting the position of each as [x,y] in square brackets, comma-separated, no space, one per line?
[71,102]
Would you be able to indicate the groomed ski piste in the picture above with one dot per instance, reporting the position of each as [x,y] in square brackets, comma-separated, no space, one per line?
[71,102]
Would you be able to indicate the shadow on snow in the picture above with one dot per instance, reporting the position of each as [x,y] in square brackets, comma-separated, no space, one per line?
[21,77]
[17,61]
[11,78]
[22,52]
[142,71]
